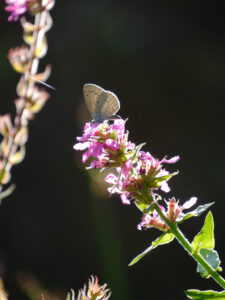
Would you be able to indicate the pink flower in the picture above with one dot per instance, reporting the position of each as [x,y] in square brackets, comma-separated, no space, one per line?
[110,143]
[16,8]
[153,220]
[94,150]
[106,142]
[124,199]
[127,167]
[139,174]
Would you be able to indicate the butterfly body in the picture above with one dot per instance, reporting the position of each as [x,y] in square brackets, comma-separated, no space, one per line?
[102,104]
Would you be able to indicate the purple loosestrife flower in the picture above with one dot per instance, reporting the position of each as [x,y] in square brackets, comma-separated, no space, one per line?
[145,175]
[138,173]
[107,145]
[173,213]
[16,8]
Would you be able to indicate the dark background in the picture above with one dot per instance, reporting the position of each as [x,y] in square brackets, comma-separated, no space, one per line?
[166,63]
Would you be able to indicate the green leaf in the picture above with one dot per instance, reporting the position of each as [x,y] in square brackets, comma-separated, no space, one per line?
[165,238]
[205,238]
[212,257]
[137,150]
[142,206]
[209,295]
[145,208]
[195,213]
[156,182]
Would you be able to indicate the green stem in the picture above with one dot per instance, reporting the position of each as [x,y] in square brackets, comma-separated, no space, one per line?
[187,246]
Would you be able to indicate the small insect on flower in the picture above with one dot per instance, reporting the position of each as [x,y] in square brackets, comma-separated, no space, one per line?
[102,104]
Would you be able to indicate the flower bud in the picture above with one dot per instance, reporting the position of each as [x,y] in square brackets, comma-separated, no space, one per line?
[19,58]
[5,125]
[21,136]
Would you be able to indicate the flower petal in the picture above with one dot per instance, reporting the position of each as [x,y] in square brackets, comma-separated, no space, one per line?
[172,160]
[111,178]
[127,167]
[189,203]
[124,199]
[81,146]
[165,187]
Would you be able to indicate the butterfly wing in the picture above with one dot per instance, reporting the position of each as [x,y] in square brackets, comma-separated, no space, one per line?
[110,106]
[102,104]
[91,95]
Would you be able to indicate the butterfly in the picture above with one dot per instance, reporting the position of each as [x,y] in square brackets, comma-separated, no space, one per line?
[102,104]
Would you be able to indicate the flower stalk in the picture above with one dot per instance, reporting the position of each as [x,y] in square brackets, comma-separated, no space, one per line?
[25,60]
[138,178]
[188,247]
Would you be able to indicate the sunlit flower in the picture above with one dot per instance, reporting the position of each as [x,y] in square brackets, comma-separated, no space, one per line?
[107,144]
[16,8]
[138,173]
[174,211]
[93,291]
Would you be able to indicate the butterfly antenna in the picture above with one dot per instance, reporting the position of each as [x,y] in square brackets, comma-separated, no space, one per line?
[47,85]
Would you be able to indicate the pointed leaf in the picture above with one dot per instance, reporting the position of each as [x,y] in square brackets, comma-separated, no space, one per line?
[137,150]
[195,213]
[142,206]
[205,238]
[165,238]
[156,182]
[212,257]
[145,208]
[206,295]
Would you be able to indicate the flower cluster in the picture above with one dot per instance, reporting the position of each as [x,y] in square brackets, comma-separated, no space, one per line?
[16,8]
[173,213]
[138,173]
[19,7]
[107,144]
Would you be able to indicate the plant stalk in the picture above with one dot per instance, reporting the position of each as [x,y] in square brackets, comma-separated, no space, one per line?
[187,246]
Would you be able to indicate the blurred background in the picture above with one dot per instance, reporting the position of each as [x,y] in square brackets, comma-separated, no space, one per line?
[166,63]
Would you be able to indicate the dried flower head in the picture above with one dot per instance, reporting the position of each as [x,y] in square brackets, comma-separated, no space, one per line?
[19,58]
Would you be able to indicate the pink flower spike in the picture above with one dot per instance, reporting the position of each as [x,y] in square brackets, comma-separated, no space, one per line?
[127,167]
[172,160]
[81,146]
[190,203]
[124,199]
